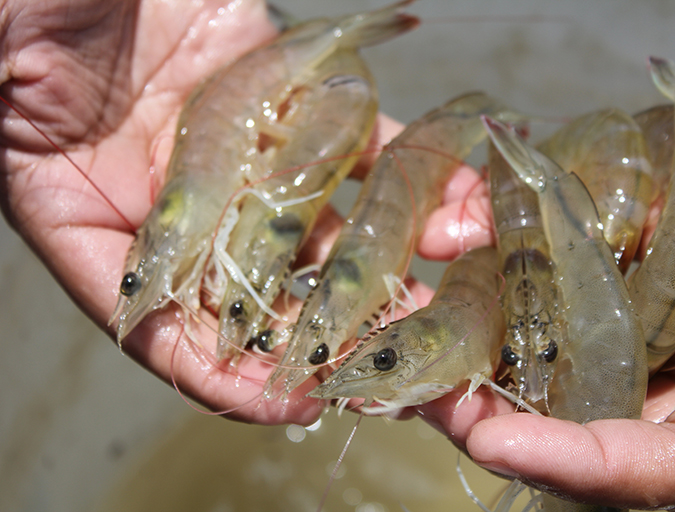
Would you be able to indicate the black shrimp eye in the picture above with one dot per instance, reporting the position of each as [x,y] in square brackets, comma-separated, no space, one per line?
[385,359]
[509,356]
[236,309]
[551,352]
[320,355]
[264,340]
[131,283]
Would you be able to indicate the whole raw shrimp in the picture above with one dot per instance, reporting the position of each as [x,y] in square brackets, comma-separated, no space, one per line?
[382,229]
[607,150]
[602,367]
[531,303]
[456,338]
[268,236]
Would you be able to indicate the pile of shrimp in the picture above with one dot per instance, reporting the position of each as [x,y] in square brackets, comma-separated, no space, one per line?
[541,311]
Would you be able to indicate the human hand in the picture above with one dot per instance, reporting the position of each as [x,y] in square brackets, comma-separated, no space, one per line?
[106,81]
[616,462]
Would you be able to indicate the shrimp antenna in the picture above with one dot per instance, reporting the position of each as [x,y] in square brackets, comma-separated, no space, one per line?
[339,463]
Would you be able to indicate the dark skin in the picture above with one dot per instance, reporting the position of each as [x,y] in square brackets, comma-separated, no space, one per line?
[106,80]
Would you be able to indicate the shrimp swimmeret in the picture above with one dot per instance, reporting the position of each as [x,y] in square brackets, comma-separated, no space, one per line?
[456,338]
[227,134]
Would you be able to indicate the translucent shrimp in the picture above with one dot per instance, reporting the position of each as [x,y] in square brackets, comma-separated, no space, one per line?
[270,231]
[535,326]
[382,229]
[454,339]
[656,124]
[228,133]
[607,150]
[652,286]
[602,368]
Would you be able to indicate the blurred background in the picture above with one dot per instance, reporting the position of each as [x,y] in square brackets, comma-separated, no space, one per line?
[82,428]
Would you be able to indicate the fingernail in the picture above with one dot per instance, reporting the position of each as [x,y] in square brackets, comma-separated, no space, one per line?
[498,467]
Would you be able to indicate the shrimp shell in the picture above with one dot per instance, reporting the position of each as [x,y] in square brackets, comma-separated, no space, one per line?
[602,368]
[656,124]
[268,236]
[218,148]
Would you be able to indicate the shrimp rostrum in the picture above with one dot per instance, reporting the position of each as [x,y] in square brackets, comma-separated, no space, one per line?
[382,230]
[456,338]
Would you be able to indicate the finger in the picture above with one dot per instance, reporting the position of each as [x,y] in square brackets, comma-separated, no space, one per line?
[457,422]
[463,222]
[618,463]
[457,227]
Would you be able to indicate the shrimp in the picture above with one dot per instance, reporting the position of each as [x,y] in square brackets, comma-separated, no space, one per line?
[381,231]
[607,150]
[652,286]
[228,133]
[656,124]
[270,232]
[435,349]
[535,326]
[602,368]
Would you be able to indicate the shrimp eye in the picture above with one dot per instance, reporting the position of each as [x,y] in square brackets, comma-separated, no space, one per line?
[509,356]
[236,309]
[385,359]
[131,283]
[320,355]
[264,340]
[551,352]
